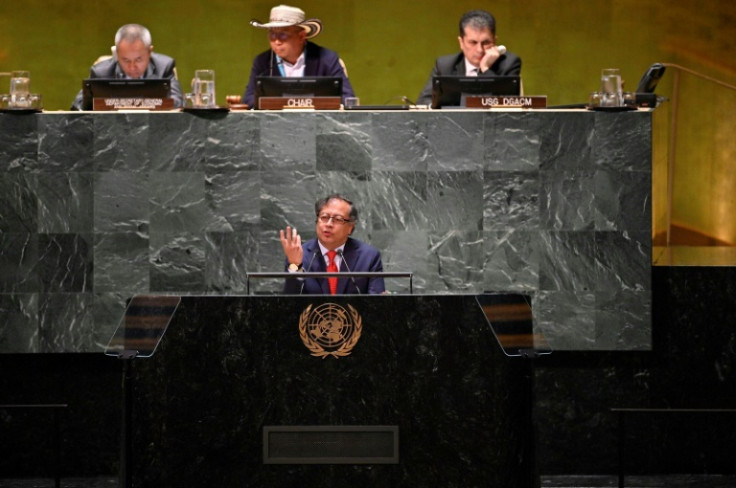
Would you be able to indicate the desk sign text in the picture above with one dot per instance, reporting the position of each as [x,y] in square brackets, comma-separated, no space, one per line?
[297,103]
[101,104]
[536,101]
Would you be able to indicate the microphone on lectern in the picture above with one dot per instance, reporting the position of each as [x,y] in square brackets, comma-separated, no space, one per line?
[309,268]
[339,252]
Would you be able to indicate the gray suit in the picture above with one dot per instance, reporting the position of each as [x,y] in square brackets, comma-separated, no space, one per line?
[160,66]
[509,64]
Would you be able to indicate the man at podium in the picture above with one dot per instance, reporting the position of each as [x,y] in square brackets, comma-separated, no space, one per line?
[332,250]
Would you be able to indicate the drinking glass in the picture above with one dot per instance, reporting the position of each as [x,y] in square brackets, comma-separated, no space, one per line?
[20,88]
[611,89]
[203,88]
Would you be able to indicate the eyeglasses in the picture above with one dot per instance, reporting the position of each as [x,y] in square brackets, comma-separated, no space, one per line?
[337,219]
[281,35]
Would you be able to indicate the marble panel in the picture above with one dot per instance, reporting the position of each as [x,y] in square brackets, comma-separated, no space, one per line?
[399,142]
[566,200]
[19,140]
[511,200]
[287,198]
[19,262]
[233,145]
[455,143]
[177,143]
[177,263]
[288,141]
[66,143]
[621,261]
[122,142]
[511,260]
[513,141]
[398,200]
[108,310]
[18,202]
[230,255]
[66,323]
[344,144]
[454,201]
[121,202]
[566,141]
[400,251]
[66,262]
[567,261]
[177,203]
[456,258]
[121,262]
[566,319]
[622,141]
[622,200]
[65,202]
[19,327]
[233,200]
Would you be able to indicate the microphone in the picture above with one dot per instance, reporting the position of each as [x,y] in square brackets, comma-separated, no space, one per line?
[501,49]
[339,252]
[309,268]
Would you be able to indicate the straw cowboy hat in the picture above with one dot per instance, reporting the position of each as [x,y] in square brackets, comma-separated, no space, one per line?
[286,16]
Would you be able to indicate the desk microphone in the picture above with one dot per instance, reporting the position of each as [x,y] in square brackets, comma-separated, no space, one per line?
[309,268]
[339,252]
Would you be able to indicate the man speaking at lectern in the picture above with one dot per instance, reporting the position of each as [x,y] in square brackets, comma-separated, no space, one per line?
[332,250]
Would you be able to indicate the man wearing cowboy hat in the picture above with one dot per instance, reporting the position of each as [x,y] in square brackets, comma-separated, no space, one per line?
[291,54]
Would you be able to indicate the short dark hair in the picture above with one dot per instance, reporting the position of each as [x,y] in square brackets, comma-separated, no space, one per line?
[336,196]
[477,19]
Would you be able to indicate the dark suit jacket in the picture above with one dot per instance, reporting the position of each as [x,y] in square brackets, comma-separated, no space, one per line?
[319,61]
[160,66]
[509,64]
[357,256]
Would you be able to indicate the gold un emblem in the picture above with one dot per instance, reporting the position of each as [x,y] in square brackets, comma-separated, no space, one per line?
[330,329]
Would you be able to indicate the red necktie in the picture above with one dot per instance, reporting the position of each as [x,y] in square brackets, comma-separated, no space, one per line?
[332,268]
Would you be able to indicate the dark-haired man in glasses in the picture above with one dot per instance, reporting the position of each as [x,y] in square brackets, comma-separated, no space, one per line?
[332,250]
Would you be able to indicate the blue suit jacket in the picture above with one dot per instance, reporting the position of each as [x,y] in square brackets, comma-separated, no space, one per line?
[357,256]
[319,61]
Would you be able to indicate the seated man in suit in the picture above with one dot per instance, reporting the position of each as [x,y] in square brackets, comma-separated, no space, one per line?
[479,56]
[133,58]
[291,54]
[333,249]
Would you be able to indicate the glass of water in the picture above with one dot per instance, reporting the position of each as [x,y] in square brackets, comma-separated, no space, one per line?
[20,89]
[203,88]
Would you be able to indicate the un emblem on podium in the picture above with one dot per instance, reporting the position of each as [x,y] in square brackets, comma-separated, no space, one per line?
[330,329]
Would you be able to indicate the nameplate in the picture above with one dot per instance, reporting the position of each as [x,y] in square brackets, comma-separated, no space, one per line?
[102,104]
[299,103]
[536,101]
